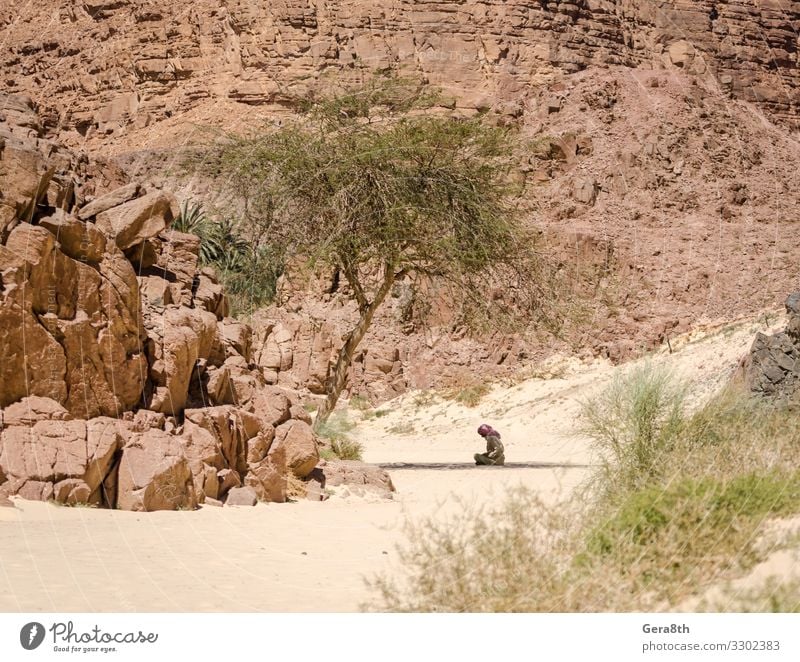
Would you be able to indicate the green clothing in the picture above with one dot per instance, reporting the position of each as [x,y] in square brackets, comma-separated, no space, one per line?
[495,453]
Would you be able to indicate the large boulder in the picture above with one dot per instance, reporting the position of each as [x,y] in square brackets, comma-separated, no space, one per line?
[60,459]
[112,199]
[138,220]
[177,340]
[359,477]
[69,330]
[772,367]
[154,474]
[80,241]
[268,478]
[295,439]
[29,411]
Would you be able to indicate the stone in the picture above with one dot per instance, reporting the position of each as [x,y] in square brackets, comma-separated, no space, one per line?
[80,241]
[585,190]
[178,340]
[144,255]
[271,405]
[154,474]
[237,337]
[334,473]
[155,290]
[772,366]
[109,200]
[29,411]
[210,296]
[681,53]
[140,219]
[295,439]
[178,263]
[241,496]
[268,478]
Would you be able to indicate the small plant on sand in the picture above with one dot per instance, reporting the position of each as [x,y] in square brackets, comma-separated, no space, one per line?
[479,560]
[405,427]
[776,595]
[295,487]
[360,403]
[469,396]
[467,390]
[338,443]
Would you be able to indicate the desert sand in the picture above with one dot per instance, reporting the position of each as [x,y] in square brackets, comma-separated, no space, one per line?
[308,556]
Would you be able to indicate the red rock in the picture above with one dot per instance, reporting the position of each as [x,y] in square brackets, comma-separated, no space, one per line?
[154,474]
[296,440]
[140,219]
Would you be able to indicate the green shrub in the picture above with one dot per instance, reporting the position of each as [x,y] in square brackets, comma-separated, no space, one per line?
[682,502]
[635,423]
[480,560]
[249,272]
[673,528]
[339,444]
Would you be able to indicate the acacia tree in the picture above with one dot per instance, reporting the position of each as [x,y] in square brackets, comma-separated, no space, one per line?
[371,184]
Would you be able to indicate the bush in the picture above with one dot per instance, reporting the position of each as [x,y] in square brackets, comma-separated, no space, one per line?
[480,561]
[691,530]
[339,444]
[635,424]
[248,271]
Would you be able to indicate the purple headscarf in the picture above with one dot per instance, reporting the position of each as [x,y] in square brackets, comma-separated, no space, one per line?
[486,430]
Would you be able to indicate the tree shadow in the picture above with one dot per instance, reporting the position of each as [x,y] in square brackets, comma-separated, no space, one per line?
[441,466]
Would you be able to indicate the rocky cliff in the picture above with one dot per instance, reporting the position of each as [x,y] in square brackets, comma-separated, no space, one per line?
[102,69]
[122,382]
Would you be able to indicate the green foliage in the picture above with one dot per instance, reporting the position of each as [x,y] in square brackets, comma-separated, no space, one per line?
[701,514]
[479,561]
[635,423]
[367,184]
[248,271]
[338,443]
[346,449]
[469,396]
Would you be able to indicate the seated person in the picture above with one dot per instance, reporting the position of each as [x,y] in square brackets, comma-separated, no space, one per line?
[494,448]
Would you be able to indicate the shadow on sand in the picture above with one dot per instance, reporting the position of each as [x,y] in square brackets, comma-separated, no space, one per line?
[472,465]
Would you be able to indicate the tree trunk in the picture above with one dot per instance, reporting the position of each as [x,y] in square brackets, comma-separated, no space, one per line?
[338,380]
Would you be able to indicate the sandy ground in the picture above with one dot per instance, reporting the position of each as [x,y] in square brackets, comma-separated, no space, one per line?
[315,556]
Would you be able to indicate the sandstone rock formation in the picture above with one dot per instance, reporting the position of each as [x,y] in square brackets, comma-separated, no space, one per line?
[650,168]
[104,69]
[122,383]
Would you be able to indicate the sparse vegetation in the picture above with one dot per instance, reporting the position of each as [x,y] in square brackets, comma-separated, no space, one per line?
[249,270]
[406,427]
[338,443]
[469,396]
[634,425]
[679,502]
[773,596]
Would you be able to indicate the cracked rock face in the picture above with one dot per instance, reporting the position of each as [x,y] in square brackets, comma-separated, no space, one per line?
[772,367]
[107,68]
[122,383]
